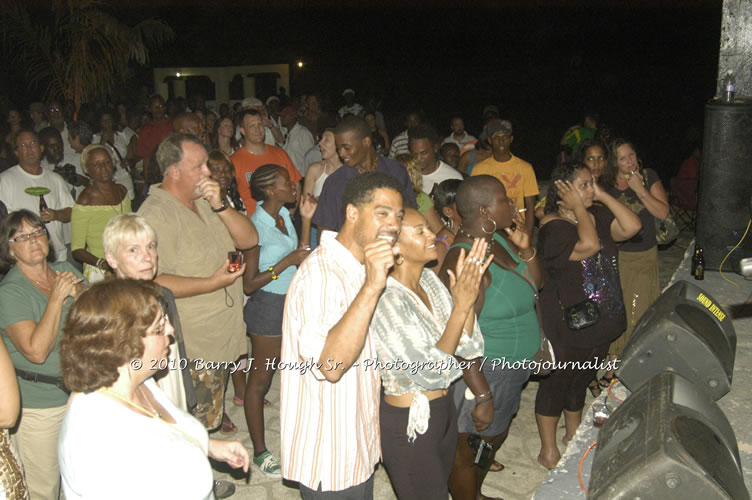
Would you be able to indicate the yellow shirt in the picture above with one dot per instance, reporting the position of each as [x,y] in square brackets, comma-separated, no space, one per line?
[517,176]
[87,225]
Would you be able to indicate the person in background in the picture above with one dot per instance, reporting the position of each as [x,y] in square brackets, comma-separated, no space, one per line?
[423,143]
[298,140]
[36,112]
[379,137]
[116,331]
[102,200]
[469,159]
[223,137]
[449,153]
[516,174]
[459,136]
[641,190]
[577,243]
[318,172]
[400,142]
[35,297]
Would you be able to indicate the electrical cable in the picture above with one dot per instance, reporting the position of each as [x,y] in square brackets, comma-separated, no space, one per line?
[720,269]
[579,469]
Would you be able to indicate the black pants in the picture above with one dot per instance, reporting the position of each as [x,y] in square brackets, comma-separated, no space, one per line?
[565,388]
[419,469]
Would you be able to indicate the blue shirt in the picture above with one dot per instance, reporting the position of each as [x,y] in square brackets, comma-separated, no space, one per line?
[330,214]
[275,245]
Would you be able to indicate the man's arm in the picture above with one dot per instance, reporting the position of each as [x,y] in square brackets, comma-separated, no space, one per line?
[346,339]
[241,229]
[183,286]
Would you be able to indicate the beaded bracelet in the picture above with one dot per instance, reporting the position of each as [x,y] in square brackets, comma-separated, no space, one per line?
[271,270]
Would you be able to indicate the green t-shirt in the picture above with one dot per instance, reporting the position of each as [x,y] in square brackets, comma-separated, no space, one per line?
[20,300]
[508,320]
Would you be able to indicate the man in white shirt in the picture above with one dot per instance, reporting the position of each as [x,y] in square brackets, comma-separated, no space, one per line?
[399,143]
[20,185]
[329,411]
[424,146]
[351,107]
[299,139]
[459,136]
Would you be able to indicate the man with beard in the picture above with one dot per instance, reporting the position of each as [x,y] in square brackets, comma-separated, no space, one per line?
[329,412]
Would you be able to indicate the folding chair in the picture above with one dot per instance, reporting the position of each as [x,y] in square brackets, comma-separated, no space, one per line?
[683,202]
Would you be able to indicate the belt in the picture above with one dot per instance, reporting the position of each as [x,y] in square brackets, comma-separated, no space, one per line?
[44,379]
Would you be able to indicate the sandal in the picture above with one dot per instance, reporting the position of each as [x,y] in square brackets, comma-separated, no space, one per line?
[496,467]
[240,402]
[227,427]
[595,388]
[605,381]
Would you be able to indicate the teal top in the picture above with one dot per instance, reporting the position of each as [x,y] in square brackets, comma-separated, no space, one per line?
[508,320]
[274,246]
[20,300]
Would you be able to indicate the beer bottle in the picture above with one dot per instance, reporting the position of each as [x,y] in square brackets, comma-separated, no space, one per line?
[42,205]
[700,267]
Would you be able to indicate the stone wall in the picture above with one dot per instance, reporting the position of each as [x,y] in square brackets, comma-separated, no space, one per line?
[736,45]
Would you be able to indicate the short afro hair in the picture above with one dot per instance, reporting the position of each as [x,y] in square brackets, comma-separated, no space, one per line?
[359,190]
[475,192]
[352,123]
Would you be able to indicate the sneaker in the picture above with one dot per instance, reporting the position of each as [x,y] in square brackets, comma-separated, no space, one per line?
[223,489]
[268,465]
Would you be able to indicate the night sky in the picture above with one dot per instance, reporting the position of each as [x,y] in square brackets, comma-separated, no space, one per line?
[648,70]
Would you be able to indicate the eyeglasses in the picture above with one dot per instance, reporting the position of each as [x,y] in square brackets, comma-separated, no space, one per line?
[22,238]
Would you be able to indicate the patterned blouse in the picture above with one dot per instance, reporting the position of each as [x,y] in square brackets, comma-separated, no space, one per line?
[406,333]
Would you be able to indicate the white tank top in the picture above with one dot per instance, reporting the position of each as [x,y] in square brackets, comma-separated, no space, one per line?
[319,184]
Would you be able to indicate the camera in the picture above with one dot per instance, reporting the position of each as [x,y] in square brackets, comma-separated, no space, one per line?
[483,451]
[236,261]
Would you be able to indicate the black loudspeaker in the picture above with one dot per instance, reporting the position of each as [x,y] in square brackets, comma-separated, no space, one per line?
[684,331]
[725,183]
[668,440]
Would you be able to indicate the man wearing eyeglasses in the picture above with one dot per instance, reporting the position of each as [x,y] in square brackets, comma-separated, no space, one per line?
[17,191]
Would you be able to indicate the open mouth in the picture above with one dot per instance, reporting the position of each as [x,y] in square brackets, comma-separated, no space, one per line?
[389,238]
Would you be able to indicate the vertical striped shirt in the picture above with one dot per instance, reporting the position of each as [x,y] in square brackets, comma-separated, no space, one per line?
[330,431]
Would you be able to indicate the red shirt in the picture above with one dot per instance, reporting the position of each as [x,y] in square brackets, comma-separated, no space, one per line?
[151,135]
[246,163]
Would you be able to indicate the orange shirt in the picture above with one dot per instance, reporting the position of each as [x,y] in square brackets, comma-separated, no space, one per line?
[246,163]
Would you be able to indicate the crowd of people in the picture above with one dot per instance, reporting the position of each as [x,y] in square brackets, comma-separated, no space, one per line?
[399,282]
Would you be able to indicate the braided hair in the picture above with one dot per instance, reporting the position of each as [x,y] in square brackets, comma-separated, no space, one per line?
[262,178]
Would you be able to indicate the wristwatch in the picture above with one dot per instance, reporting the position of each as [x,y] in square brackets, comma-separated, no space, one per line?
[220,209]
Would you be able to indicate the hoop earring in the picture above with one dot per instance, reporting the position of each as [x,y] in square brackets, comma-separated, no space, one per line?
[400,260]
[483,226]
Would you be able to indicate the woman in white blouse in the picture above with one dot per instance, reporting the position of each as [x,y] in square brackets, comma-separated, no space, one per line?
[419,326]
[121,436]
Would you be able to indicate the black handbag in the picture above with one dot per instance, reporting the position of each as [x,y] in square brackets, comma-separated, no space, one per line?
[583,314]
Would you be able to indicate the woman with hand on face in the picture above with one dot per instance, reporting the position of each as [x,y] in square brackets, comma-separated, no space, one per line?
[223,171]
[577,242]
[641,190]
[116,332]
[271,266]
[417,320]
[99,202]
[35,296]
[506,315]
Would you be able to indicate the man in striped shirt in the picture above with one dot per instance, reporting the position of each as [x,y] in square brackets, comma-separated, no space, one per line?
[329,411]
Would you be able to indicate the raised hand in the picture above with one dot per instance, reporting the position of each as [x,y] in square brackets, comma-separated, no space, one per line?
[518,232]
[210,191]
[379,259]
[308,205]
[464,282]
[570,198]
